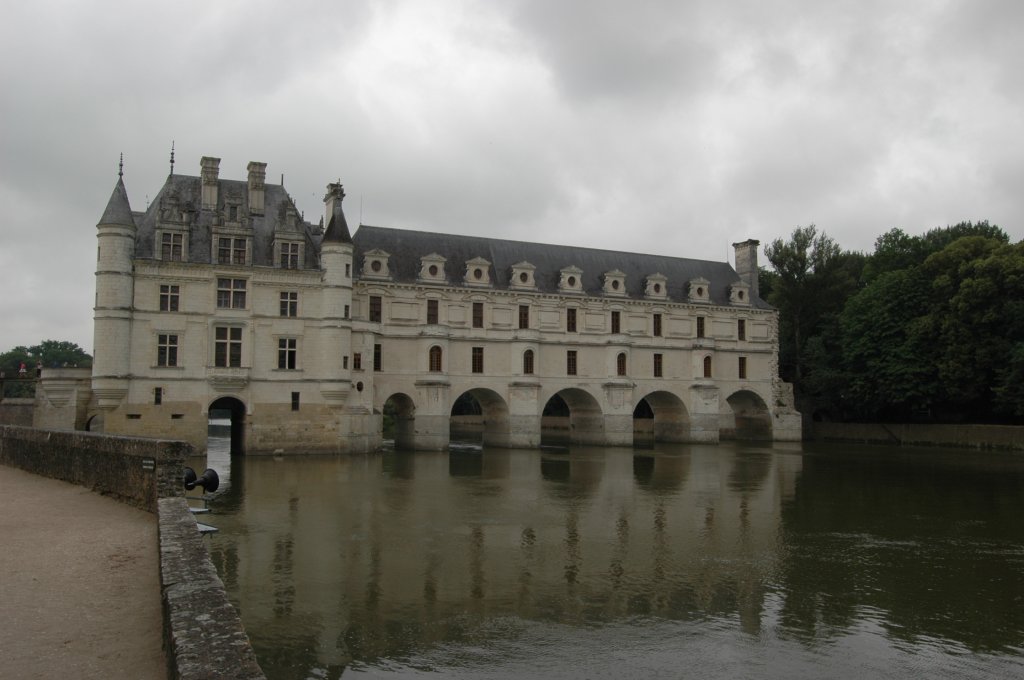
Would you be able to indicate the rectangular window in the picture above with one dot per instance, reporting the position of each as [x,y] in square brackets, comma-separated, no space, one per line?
[231,250]
[657,325]
[700,326]
[528,362]
[169,298]
[524,316]
[478,315]
[741,329]
[616,322]
[289,304]
[166,350]
[158,396]
[375,308]
[743,368]
[570,362]
[233,213]
[287,353]
[348,271]
[376,358]
[344,362]
[295,401]
[289,256]
[227,347]
[357,361]
[478,359]
[231,293]
[432,311]
[570,320]
[658,368]
[346,311]
[171,247]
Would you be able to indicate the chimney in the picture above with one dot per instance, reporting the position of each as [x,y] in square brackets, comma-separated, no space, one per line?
[209,172]
[257,177]
[746,264]
[332,200]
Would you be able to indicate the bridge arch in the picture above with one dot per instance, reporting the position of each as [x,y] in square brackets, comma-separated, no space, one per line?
[480,414]
[398,420]
[745,416]
[572,416]
[660,416]
[235,410]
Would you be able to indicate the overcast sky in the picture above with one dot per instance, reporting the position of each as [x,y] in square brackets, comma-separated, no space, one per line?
[669,127]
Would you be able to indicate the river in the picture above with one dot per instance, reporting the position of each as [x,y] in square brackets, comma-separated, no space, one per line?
[706,561]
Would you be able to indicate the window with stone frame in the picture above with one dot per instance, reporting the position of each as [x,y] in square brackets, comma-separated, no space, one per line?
[289,303]
[172,247]
[289,255]
[524,316]
[570,320]
[657,325]
[287,353]
[432,313]
[434,360]
[478,360]
[700,326]
[166,349]
[227,347]
[659,367]
[707,367]
[616,321]
[378,358]
[231,250]
[570,362]
[741,329]
[742,368]
[620,364]
[357,361]
[231,293]
[528,362]
[478,315]
[375,308]
[169,298]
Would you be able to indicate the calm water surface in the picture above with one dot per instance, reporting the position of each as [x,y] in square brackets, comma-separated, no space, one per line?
[728,561]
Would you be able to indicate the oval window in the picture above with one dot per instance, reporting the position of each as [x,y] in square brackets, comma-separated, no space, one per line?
[615,284]
[571,281]
[700,292]
[524,277]
[657,288]
[433,270]
[359,386]
[375,265]
[740,295]
[478,273]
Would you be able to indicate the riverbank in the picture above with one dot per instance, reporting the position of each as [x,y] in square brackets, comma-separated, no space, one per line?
[910,434]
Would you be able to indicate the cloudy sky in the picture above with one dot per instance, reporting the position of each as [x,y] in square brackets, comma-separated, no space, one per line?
[670,126]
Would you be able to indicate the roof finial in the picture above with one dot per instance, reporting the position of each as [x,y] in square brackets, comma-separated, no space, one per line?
[120,166]
[172,157]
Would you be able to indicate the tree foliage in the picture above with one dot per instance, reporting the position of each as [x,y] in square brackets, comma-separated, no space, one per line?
[51,353]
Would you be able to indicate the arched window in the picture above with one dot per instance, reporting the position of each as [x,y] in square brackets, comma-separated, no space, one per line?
[707,367]
[620,364]
[435,359]
[528,362]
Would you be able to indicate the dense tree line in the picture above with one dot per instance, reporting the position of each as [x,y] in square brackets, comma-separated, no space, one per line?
[926,328]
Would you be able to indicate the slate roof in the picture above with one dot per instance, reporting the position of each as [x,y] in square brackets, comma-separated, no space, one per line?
[118,211]
[182,193]
[406,247]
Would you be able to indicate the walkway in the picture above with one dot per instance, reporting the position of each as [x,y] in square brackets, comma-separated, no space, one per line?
[79,583]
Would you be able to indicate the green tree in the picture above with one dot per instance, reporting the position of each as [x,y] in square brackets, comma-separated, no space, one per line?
[49,352]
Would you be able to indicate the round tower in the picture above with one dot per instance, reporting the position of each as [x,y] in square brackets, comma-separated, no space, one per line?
[336,261]
[112,315]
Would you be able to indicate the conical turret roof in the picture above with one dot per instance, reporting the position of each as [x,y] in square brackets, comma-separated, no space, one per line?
[337,228]
[118,210]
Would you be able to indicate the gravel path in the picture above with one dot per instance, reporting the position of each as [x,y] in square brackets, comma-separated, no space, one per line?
[79,583]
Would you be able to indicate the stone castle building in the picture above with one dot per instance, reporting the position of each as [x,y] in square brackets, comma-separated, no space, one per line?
[220,297]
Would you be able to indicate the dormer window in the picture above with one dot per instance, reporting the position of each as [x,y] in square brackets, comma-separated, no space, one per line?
[173,246]
[522,276]
[615,283]
[478,272]
[700,290]
[656,287]
[571,280]
[739,294]
[432,268]
[289,254]
[375,264]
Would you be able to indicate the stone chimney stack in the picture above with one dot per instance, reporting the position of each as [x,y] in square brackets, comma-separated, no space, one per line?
[209,172]
[257,179]
[332,200]
[746,264]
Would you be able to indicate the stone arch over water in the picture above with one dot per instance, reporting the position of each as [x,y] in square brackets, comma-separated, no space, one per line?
[572,416]
[236,412]
[745,416]
[398,420]
[660,416]
[480,414]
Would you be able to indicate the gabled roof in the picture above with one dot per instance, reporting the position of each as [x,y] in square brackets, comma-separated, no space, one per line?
[406,247]
[118,210]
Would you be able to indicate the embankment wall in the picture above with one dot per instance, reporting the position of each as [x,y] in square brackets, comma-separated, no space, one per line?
[910,434]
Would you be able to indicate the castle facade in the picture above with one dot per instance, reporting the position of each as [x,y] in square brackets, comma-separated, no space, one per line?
[220,299]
